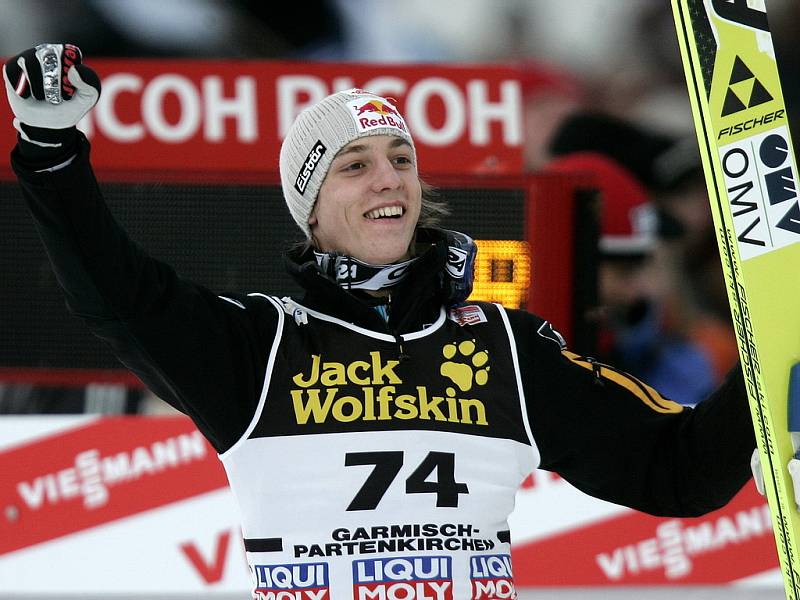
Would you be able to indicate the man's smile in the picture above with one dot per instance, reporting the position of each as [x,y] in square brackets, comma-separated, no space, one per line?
[385,212]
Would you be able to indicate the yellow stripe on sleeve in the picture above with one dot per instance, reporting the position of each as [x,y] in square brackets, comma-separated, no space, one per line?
[649,396]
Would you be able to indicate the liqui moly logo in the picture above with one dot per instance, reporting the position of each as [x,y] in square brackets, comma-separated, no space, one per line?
[308,581]
[373,112]
[410,578]
[491,577]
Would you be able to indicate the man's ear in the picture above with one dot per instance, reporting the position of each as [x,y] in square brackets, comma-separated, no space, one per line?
[312,218]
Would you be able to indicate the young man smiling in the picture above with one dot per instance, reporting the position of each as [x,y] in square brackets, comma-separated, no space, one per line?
[382,403]
[369,203]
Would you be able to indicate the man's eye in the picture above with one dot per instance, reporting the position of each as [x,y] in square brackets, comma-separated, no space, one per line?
[402,160]
[354,166]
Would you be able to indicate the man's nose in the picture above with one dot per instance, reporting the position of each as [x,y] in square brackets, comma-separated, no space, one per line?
[385,176]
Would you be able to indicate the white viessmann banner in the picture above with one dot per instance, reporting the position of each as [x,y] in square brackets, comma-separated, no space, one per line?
[140,505]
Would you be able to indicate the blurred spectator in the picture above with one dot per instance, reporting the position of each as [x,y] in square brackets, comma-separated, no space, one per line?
[689,243]
[694,292]
[636,330]
[616,138]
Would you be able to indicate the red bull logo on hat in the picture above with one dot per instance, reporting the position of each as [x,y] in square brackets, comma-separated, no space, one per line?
[376,112]
[408,578]
[377,106]
[292,582]
[491,577]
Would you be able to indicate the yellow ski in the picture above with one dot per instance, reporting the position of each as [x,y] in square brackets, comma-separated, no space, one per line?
[751,173]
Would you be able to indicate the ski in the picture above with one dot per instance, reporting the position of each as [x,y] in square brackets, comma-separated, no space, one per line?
[751,174]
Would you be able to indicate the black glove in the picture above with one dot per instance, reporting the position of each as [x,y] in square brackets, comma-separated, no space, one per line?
[49,91]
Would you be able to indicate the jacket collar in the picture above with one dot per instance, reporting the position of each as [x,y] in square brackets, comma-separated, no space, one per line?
[415,302]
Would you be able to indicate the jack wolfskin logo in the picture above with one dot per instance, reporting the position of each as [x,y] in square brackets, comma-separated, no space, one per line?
[371,390]
[465,366]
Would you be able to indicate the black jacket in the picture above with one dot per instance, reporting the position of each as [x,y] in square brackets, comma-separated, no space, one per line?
[600,429]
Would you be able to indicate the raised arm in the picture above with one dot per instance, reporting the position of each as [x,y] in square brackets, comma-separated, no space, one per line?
[204,355]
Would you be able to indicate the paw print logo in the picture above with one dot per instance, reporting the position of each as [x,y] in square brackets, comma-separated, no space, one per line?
[464,366]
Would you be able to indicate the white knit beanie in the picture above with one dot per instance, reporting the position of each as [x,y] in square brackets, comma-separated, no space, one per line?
[317,135]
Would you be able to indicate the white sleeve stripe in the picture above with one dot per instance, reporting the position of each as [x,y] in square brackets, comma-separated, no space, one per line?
[267,378]
[523,405]
[232,301]
[59,166]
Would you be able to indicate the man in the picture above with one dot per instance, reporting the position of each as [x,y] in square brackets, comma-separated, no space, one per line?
[375,431]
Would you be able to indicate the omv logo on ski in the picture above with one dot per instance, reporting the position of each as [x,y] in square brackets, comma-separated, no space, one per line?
[307,581]
[409,578]
[761,182]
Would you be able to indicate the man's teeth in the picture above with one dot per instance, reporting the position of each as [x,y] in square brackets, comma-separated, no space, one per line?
[386,211]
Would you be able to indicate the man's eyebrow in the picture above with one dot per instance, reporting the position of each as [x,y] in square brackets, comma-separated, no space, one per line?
[399,142]
[351,150]
[395,143]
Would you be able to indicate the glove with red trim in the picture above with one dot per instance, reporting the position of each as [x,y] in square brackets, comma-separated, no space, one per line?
[49,90]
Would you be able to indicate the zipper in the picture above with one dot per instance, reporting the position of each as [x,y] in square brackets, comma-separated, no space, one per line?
[643,387]
[596,369]
[401,353]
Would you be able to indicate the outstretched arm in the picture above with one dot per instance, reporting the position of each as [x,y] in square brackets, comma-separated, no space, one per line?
[202,354]
[615,438]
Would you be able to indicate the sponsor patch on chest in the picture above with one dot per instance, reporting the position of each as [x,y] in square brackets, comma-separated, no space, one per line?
[409,577]
[298,581]
[491,577]
[372,390]
[467,315]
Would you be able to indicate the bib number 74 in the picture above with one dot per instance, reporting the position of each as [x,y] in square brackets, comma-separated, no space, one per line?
[389,464]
